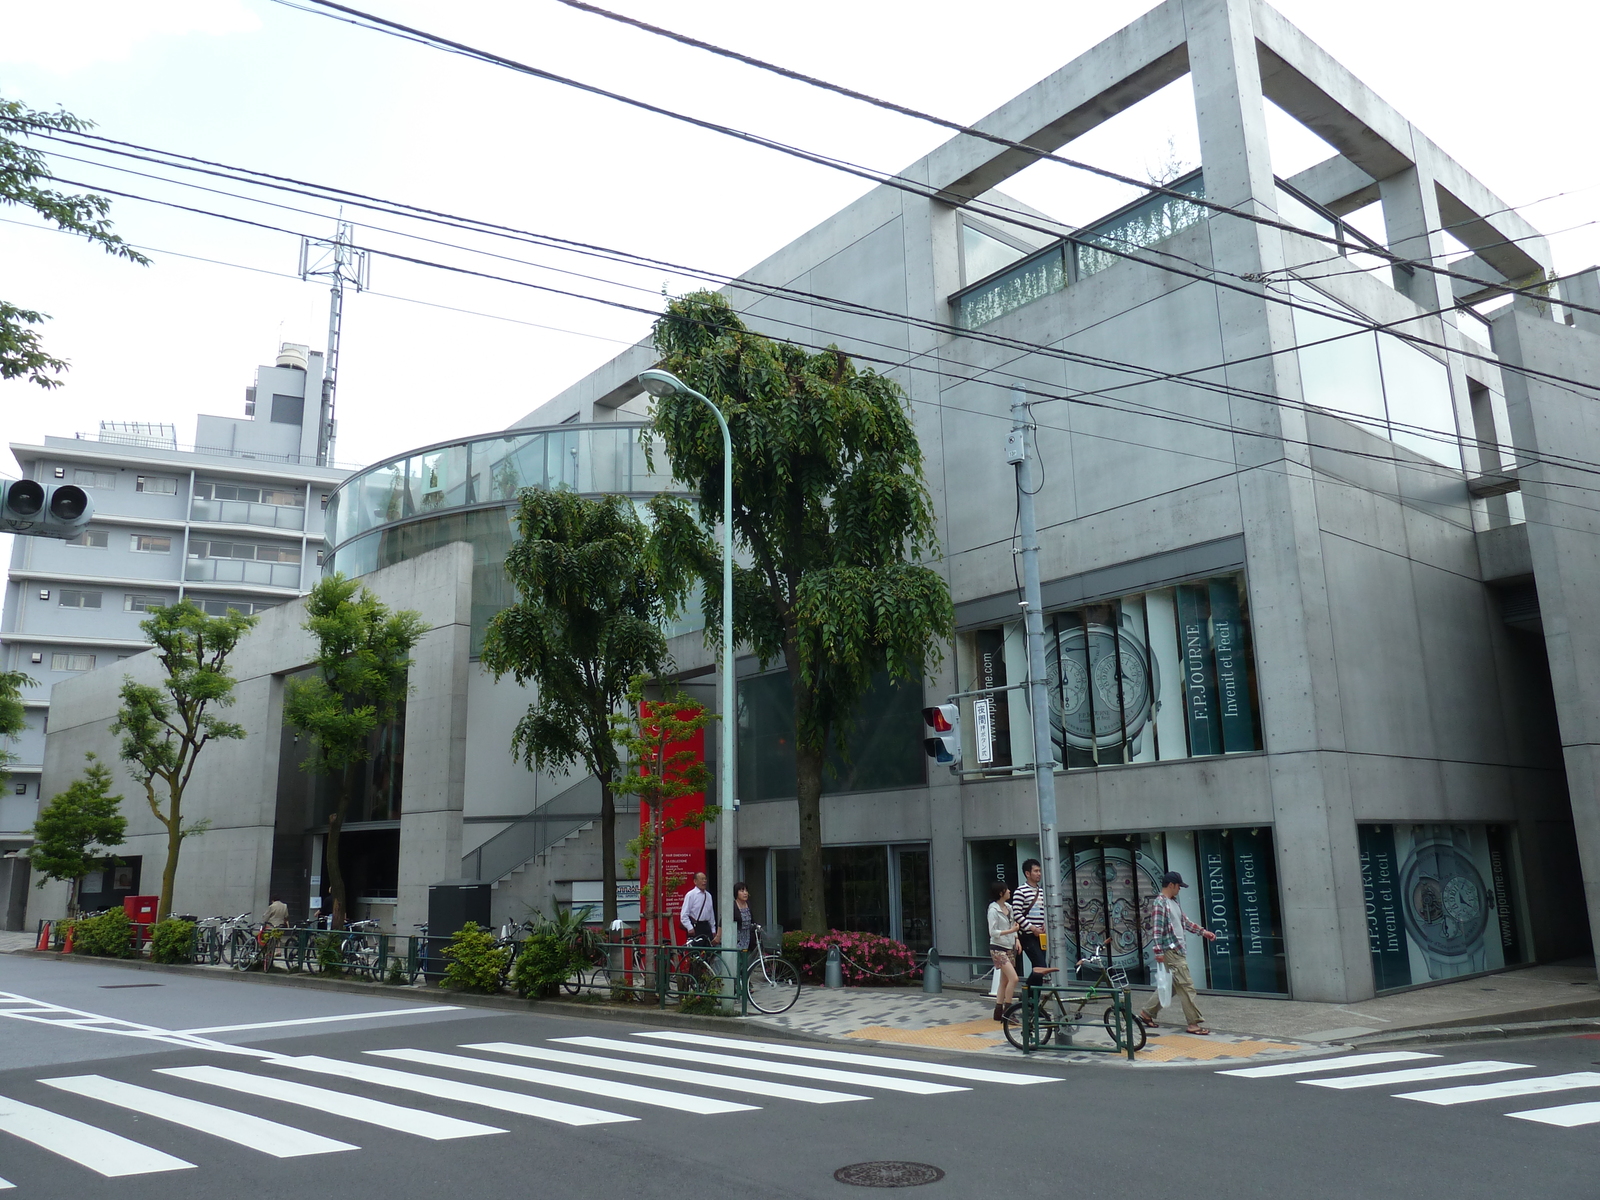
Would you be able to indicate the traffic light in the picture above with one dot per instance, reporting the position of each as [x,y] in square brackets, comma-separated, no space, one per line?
[58,510]
[944,722]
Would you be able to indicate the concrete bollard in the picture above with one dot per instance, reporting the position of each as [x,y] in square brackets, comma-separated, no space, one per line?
[932,981]
[833,972]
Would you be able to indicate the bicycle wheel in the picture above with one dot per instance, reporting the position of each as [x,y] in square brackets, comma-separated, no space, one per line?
[1113,1027]
[246,953]
[361,955]
[772,984]
[1042,1035]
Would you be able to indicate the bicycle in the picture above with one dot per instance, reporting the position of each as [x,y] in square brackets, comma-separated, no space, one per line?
[771,983]
[1057,1017]
[359,950]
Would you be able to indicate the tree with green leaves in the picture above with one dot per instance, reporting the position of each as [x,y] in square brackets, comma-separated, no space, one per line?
[23,169]
[76,829]
[592,599]
[358,684]
[165,726]
[659,769]
[13,716]
[831,517]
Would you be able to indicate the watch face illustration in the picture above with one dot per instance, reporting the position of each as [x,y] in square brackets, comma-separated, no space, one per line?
[1112,888]
[1102,679]
[1446,905]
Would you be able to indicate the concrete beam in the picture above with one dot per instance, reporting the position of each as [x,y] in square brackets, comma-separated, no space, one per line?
[1337,184]
[1476,217]
[1115,75]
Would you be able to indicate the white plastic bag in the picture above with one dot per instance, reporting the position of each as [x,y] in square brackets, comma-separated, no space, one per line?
[994,983]
[1163,984]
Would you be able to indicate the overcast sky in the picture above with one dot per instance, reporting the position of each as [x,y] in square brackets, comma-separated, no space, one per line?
[429,355]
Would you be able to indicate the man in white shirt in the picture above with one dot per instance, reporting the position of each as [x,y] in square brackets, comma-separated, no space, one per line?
[699,912]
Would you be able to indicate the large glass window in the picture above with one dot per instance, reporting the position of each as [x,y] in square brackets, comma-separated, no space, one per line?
[1156,675]
[1442,901]
[883,742]
[882,889]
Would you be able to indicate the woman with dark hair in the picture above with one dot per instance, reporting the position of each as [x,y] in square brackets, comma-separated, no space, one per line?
[1002,943]
[743,918]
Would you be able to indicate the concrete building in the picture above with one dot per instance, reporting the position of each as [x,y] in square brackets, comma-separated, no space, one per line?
[233,522]
[1317,546]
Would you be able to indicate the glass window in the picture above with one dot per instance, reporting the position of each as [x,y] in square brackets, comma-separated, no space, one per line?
[90,537]
[134,602]
[94,479]
[149,543]
[884,744]
[1422,416]
[158,485]
[1342,373]
[1296,211]
[72,662]
[982,254]
[1442,901]
[78,598]
[288,410]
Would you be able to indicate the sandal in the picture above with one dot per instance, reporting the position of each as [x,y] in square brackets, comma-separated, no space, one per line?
[1198,1030]
[1148,1022]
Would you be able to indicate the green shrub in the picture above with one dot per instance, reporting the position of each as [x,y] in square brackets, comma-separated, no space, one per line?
[329,949]
[172,941]
[397,970]
[476,963]
[110,935]
[543,965]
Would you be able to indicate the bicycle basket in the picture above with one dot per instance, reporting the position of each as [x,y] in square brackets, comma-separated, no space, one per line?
[1118,977]
[771,939]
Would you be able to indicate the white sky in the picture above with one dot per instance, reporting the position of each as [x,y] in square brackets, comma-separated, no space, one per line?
[255,84]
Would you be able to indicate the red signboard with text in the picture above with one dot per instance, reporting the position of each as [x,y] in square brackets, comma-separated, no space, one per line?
[683,850]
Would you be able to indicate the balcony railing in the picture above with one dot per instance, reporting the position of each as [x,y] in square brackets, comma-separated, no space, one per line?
[242,570]
[245,512]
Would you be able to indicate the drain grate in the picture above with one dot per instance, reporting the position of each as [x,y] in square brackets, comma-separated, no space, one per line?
[888,1174]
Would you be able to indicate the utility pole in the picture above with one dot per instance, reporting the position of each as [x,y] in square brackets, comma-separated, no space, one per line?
[1038,691]
[340,262]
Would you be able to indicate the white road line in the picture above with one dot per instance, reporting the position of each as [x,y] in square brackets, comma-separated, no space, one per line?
[610,1089]
[105,1153]
[881,1061]
[619,1066]
[1508,1087]
[450,1089]
[365,1016]
[6,1183]
[740,1063]
[1326,1064]
[257,1133]
[1418,1074]
[1567,1116]
[398,1117]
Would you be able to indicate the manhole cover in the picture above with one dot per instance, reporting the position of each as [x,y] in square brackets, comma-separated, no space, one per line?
[888,1174]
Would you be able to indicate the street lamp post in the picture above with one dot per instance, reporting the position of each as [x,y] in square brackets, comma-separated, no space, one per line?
[662,384]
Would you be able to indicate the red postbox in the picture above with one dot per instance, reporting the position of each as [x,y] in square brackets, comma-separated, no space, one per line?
[141,911]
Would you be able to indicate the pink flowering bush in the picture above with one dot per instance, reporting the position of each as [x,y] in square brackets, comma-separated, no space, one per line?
[867,959]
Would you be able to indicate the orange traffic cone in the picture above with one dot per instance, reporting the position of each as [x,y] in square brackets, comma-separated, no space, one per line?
[66,947]
[44,936]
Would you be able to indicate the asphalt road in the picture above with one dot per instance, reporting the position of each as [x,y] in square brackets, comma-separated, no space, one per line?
[316,1095]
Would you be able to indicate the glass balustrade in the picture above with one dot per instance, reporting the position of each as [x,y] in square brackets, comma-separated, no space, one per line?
[245,512]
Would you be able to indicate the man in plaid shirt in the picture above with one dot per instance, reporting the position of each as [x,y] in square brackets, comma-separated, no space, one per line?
[1167,925]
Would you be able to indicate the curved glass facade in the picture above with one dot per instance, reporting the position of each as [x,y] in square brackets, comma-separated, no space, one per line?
[466,491]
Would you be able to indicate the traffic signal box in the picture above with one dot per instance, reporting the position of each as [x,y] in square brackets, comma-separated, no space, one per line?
[58,510]
[942,725]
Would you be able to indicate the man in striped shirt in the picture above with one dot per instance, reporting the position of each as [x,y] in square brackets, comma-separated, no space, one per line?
[1167,926]
[1027,910]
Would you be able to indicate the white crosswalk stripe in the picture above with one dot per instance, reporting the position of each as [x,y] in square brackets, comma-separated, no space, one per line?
[106,1153]
[610,1089]
[411,1121]
[1468,1093]
[1274,1070]
[740,1062]
[1565,1116]
[450,1089]
[849,1057]
[683,1075]
[258,1133]
[1417,1074]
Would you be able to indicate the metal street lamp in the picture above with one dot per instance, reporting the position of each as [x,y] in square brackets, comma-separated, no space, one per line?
[662,384]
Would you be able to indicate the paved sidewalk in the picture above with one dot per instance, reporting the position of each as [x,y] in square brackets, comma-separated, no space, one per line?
[962,1019]
[16,941]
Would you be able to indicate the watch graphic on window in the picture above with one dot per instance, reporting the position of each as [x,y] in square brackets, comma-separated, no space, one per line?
[1104,685]
[1445,905]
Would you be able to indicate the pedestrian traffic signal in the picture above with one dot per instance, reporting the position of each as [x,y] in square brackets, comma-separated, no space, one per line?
[57,510]
[943,721]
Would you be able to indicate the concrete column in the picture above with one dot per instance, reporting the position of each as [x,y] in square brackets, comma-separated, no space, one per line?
[434,788]
[1319,872]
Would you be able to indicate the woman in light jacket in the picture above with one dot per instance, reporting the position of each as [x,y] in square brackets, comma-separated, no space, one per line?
[1002,944]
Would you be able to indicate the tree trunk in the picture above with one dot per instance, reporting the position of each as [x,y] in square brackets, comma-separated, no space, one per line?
[72,896]
[169,872]
[330,856]
[808,795]
[608,853]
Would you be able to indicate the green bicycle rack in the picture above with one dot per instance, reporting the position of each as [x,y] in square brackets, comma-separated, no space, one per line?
[1038,1031]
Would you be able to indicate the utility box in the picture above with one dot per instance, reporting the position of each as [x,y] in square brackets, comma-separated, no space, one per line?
[141,911]
[451,904]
